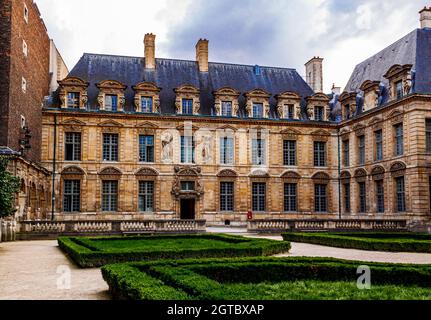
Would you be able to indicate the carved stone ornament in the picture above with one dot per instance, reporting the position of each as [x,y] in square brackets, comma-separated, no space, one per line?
[76,85]
[187,92]
[147,89]
[288,98]
[345,175]
[318,100]
[227,174]
[378,173]
[257,96]
[226,94]
[321,178]
[110,173]
[361,175]
[291,176]
[147,172]
[398,169]
[76,171]
[111,87]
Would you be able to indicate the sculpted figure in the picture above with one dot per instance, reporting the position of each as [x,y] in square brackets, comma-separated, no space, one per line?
[167,147]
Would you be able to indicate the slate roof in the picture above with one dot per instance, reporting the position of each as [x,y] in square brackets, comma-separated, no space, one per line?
[414,48]
[6,151]
[170,74]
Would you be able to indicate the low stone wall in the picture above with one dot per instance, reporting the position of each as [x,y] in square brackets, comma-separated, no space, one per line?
[278,226]
[7,230]
[53,229]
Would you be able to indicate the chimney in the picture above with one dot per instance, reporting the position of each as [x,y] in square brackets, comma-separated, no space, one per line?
[425,17]
[314,72]
[150,51]
[202,55]
[336,90]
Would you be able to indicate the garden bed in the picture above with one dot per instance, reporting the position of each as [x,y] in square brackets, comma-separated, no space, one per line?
[392,242]
[265,279]
[98,251]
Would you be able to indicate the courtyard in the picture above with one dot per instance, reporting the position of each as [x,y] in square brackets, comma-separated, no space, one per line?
[38,270]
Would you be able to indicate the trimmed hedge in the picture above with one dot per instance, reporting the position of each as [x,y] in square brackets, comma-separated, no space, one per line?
[203,279]
[86,254]
[402,242]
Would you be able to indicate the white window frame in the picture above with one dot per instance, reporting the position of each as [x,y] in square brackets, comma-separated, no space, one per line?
[24,85]
[26,13]
[24,48]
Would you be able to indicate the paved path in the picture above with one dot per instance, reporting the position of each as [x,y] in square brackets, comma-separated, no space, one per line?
[28,271]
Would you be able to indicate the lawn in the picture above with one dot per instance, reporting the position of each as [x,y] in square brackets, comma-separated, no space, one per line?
[265,279]
[393,242]
[95,252]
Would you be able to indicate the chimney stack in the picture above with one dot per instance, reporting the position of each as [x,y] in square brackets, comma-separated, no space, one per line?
[202,54]
[336,90]
[425,17]
[314,73]
[150,51]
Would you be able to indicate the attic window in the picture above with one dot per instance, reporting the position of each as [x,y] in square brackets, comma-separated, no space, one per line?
[111,102]
[257,70]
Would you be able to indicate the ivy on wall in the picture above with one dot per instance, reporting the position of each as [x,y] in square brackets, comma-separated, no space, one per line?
[9,187]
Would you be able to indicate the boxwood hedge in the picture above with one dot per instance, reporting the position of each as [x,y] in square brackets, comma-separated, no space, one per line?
[393,242]
[85,253]
[203,279]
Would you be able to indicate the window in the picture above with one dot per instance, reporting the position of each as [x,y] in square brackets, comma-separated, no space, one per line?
[73,147]
[25,13]
[399,140]
[259,197]
[24,48]
[110,147]
[23,85]
[362,197]
[23,122]
[318,113]
[428,135]
[289,153]
[399,90]
[187,186]
[378,136]
[380,196]
[289,111]
[111,102]
[290,197]
[73,100]
[319,154]
[347,204]
[146,196]
[187,150]
[146,104]
[146,148]
[72,196]
[109,196]
[257,110]
[226,108]
[361,151]
[226,196]
[401,197]
[346,153]
[320,198]
[347,112]
[226,150]
[258,152]
[187,106]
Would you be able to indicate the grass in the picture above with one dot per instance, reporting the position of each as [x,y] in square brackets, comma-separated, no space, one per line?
[265,279]
[99,251]
[392,242]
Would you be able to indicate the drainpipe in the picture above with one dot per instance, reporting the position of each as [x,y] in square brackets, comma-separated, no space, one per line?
[339,175]
[54,164]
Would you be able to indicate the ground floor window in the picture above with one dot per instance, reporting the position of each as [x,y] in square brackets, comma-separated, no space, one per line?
[347,205]
[109,196]
[259,197]
[362,197]
[290,197]
[146,196]
[226,196]
[72,196]
[320,198]
[380,196]
[401,194]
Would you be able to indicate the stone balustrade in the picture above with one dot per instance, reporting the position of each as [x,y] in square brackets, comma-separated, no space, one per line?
[276,226]
[52,229]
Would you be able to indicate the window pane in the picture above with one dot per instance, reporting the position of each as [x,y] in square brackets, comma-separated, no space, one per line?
[258,152]
[362,197]
[259,197]
[257,110]
[226,108]
[73,147]
[226,196]
[347,206]
[146,196]
[361,150]
[147,104]
[73,100]
[111,102]
[346,153]
[187,150]
[226,150]
[72,196]
[320,198]
[380,194]
[110,147]
[319,154]
[109,196]
[187,186]
[401,201]
[379,145]
[187,106]
[399,140]
[290,197]
[146,148]
[318,113]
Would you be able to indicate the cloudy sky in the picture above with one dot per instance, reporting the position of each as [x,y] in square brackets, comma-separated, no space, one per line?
[283,33]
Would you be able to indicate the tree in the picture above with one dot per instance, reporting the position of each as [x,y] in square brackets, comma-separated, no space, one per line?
[9,187]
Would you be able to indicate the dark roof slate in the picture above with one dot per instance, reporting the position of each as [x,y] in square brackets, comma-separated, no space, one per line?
[170,74]
[414,49]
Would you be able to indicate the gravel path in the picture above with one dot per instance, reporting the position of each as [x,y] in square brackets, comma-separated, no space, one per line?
[38,270]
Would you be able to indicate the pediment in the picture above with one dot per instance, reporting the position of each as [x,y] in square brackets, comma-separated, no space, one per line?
[110,123]
[398,166]
[319,97]
[359,127]
[110,171]
[288,95]
[111,84]
[321,176]
[290,132]
[360,173]
[292,175]
[73,122]
[146,125]
[146,86]
[347,96]
[345,175]
[187,88]
[258,93]
[73,81]
[259,174]
[227,128]
[369,85]
[147,172]
[320,132]
[377,171]
[397,69]
[73,171]
[374,121]
[227,91]
[227,174]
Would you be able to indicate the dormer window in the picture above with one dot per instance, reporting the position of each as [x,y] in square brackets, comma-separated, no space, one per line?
[347,112]
[111,102]
[348,105]
[226,108]
[399,89]
[187,106]
[289,105]
[258,110]
[319,113]
[147,104]
[289,111]
[73,100]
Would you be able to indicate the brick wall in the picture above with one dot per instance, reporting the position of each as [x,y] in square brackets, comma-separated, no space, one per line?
[34,68]
[5,34]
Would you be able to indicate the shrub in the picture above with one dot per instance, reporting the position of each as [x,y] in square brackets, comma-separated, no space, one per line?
[402,242]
